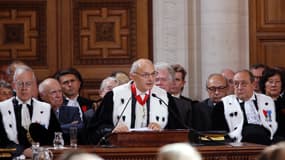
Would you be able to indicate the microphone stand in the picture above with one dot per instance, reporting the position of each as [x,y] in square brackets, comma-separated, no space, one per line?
[193,135]
[104,140]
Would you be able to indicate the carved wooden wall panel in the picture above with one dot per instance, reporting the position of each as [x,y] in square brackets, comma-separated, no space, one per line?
[272,51]
[272,15]
[96,37]
[23,32]
[107,37]
[267,32]
[106,32]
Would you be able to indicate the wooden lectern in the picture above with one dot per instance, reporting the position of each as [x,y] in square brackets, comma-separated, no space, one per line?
[6,153]
[148,138]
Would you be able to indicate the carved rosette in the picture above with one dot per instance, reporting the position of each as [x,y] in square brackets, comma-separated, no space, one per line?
[23,32]
[104,32]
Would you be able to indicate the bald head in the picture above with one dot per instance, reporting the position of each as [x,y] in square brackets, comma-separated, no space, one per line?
[139,64]
[50,92]
[143,74]
[217,87]
[229,75]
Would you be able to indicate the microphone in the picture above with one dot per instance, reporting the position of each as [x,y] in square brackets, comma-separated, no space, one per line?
[170,110]
[104,140]
[194,135]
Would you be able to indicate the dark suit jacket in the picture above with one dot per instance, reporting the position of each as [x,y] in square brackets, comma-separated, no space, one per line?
[188,99]
[185,110]
[101,123]
[202,115]
[84,103]
[67,115]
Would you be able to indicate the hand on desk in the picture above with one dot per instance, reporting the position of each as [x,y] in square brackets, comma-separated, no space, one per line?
[120,128]
[154,126]
[28,153]
[123,128]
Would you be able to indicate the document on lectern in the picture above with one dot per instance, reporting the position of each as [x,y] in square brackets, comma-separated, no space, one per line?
[143,129]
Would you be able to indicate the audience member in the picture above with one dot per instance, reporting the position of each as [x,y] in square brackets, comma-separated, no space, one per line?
[272,84]
[217,87]
[121,76]
[257,70]
[71,82]
[3,72]
[6,90]
[79,156]
[165,79]
[248,116]
[50,92]
[11,69]
[106,86]
[10,73]
[136,104]
[179,82]
[24,118]
[178,151]
[229,74]
[273,152]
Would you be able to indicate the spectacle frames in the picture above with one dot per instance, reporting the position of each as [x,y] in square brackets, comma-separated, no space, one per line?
[21,84]
[214,89]
[147,75]
[240,83]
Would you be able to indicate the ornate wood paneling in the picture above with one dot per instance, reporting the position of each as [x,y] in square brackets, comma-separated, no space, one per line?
[272,51]
[96,37]
[267,32]
[23,32]
[105,32]
[272,15]
[107,36]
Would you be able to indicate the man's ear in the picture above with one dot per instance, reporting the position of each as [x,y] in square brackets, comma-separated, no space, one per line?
[131,75]
[14,85]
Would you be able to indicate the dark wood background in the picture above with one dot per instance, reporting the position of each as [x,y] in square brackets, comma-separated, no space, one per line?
[96,37]
[267,32]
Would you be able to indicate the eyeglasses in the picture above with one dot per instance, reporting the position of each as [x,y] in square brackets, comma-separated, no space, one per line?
[214,89]
[274,82]
[240,83]
[147,75]
[257,77]
[6,93]
[21,84]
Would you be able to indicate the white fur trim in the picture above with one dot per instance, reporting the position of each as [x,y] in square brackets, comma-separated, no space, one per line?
[41,115]
[235,123]
[158,111]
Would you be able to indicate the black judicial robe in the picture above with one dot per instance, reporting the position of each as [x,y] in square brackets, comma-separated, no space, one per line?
[102,122]
[38,132]
[261,135]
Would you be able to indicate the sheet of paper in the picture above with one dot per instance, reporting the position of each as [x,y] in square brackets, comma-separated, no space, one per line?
[140,129]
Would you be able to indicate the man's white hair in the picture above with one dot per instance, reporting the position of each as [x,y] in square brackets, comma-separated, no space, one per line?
[21,69]
[165,66]
[178,151]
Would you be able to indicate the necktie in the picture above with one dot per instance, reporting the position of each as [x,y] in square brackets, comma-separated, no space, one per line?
[26,120]
[57,113]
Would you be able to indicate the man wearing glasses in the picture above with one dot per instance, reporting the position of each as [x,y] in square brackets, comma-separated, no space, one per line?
[137,104]
[24,118]
[247,116]
[217,87]
[257,71]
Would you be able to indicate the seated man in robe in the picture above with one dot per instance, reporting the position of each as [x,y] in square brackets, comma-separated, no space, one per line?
[247,115]
[50,92]
[24,118]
